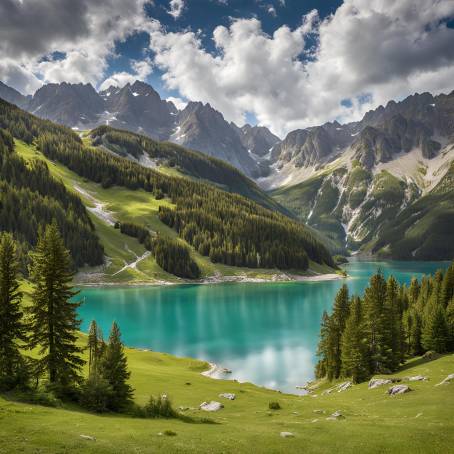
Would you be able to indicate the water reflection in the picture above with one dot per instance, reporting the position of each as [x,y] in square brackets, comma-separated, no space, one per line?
[265,333]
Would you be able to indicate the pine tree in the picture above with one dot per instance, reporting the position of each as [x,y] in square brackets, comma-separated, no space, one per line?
[393,323]
[54,321]
[338,319]
[114,369]
[450,323]
[12,329]
[447,286]
[95,348]
[355,361]
[377,328]
[435,335]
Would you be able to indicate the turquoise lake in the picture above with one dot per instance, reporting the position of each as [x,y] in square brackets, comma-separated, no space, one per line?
[266,333]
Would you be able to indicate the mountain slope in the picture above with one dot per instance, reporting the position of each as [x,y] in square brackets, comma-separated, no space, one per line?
[221,230]
[139,108]
[391,168]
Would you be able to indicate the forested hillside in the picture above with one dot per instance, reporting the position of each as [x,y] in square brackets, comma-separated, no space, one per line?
[228,228]
[30,198]
[152,153]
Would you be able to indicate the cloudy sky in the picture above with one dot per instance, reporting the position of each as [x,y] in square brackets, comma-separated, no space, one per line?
[285,64]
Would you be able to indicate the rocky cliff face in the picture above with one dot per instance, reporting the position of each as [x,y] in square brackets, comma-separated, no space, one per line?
[75,105]
[13,96]
[391,162]
[202,128]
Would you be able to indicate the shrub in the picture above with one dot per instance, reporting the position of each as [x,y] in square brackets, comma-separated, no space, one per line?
[274,406]
[169,433]
[160,407]
[96,394]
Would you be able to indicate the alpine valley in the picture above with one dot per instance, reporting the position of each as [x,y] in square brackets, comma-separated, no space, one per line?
[382,186]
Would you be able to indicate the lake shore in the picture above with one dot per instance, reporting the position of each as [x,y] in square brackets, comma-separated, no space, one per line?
[216,279]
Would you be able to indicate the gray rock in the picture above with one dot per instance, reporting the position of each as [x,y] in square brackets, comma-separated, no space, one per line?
[417,378]
[319,411]
[287,435]
[398,389]
[376,382]
[337,415]
[211,406]
[447,380]
[344,386]
[229,396]
[88,437]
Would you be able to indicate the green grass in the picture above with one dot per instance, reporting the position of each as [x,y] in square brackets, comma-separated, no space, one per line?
[417,422]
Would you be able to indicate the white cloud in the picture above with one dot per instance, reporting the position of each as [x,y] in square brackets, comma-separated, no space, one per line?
[179,103]
[140,71]
[379,48]
[176,8]
[83,33]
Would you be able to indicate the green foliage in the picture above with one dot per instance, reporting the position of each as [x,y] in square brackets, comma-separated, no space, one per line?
[174,257]
[53,317]
[274,405]
[160,407]
[137,231]
[12,328]
[114,370]
[96,394]
[385,326]
[30,199]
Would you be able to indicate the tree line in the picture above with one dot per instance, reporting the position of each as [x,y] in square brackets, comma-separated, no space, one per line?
[49,325]
[377,332]
[30,198]
[171,255]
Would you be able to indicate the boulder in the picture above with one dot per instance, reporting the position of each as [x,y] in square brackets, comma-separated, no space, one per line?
[287,435]
[376,382]
[211,406]
[416,378]
[344,386]
[229,396]
[447,380]
[87,437]
[398,389]
[335,416]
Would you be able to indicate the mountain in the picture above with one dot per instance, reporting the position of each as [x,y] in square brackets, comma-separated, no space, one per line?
[360,183]
[74,105]
[200,127]
[257,139]
[13,96]
[139,108]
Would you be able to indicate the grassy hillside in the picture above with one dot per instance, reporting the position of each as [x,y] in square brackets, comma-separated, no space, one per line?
[139,207]
[418,422]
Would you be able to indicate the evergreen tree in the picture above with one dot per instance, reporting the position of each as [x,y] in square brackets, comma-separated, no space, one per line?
[338,320]
[412,328]
[355,359]
[54,321]
[393,321]
[12,329]
[114,369]
[435,335]
[447,286]
[95,348]
[377,323]
[450,323]
[325,350]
